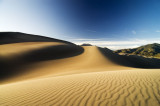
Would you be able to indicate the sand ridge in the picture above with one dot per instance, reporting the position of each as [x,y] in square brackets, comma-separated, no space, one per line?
[91,60]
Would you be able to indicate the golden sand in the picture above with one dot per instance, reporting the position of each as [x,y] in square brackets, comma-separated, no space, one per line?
[12,49]
[111,88]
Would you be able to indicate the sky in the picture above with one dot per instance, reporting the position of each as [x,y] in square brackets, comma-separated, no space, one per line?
[115,24]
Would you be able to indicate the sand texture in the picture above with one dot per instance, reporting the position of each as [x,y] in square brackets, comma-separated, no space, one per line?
[112,88]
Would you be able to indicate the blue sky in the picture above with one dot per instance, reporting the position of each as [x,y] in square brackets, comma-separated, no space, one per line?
[114,24]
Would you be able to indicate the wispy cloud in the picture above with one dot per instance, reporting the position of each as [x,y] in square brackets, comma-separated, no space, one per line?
[114,44]
[85,39]
[134,32]
[158,31]
[90,39]
[91,30]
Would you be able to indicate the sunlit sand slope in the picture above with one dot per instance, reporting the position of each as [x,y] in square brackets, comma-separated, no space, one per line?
[112,88]
[17,48]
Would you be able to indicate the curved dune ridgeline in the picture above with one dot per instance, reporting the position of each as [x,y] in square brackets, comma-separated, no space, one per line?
[40,71]
[78,61]
[60,60]
[18,37]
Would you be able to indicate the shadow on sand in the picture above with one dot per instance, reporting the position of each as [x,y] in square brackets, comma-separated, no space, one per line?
[14,65]
[132,60]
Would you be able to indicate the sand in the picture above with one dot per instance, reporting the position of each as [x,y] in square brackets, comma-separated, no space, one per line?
[112,88]
[86,79]
[91,60]
[16,48]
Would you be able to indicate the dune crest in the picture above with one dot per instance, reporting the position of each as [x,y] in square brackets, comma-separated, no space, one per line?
[91,60]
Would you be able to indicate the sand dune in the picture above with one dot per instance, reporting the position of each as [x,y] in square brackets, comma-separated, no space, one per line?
[17,60]
[43,71]
[91,60]
[112,88]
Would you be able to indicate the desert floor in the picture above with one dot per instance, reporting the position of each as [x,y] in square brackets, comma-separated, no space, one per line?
[86,79]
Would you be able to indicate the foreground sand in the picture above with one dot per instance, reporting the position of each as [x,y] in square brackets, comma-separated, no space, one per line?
[112,88]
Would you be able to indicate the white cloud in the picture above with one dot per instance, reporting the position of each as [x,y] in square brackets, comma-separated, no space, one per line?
[134,32]
[158,31]
[121,47]
[85,39]
[114,44]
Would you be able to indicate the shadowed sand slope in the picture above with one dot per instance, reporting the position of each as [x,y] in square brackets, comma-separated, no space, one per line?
[131,60]
[111,88]
[16,60]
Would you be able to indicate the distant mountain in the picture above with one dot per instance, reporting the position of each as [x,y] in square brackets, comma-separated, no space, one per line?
[150,50]
[86,44]
[17,37]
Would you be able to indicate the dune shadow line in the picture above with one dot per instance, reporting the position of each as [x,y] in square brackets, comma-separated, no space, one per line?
[18,64]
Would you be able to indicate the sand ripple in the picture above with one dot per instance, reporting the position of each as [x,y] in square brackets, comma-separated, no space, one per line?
[117,88]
